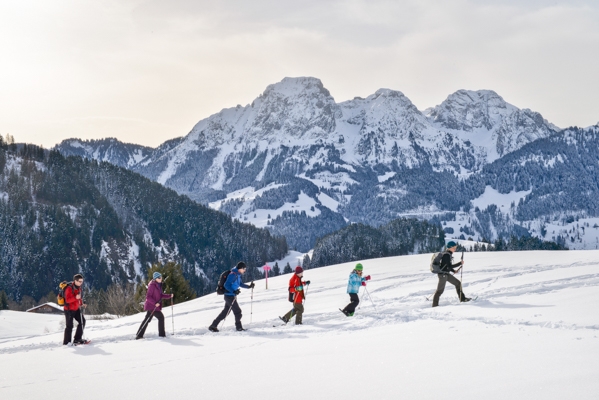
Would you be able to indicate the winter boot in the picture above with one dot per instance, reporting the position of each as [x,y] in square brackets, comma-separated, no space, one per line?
[213,328]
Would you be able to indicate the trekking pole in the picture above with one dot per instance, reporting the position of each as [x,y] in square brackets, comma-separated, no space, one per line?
[305,294]
[172,312]
[461,276]
[145,323]
[228,312]
[252,306]
[370,297]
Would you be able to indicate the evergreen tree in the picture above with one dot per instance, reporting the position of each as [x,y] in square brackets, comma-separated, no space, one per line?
[3,300]
[276,270]
[287,269]
[173,282]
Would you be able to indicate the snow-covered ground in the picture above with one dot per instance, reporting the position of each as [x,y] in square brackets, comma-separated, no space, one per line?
[533,333]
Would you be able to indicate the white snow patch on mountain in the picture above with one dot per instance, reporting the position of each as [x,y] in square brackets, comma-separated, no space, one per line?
[386,177]
[502,200]
[328,202]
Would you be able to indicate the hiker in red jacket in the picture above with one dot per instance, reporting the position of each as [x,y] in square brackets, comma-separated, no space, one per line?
[72,310]
[153,306]
[297,294]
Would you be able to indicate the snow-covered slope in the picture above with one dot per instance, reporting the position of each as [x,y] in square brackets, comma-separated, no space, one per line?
[532,333]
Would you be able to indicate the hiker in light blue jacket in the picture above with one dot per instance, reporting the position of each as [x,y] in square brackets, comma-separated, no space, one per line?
[353,287]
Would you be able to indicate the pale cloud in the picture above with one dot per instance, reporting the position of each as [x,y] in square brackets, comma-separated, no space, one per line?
[147,71]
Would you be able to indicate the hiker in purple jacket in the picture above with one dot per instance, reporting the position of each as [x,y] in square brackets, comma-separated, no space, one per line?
[153,306]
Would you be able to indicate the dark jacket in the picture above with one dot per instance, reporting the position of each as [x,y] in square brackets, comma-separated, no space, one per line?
[446,263]
[233,283]
[154,296]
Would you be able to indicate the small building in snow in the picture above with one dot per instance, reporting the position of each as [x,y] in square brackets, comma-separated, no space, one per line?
[47,308]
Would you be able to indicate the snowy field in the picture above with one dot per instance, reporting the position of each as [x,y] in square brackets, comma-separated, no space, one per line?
[532,334]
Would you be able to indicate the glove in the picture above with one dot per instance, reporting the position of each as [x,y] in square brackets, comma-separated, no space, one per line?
[363,283]
[238,291]
[307,283]
[252,285]
[367,277]
[299,288]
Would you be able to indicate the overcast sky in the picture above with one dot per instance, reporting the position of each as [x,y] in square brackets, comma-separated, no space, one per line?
[147,71]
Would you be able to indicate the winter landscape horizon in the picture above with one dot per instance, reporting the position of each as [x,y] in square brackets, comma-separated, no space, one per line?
[155,153]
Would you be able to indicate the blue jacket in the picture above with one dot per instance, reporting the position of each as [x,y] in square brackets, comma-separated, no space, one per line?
[354,283]
[233,283]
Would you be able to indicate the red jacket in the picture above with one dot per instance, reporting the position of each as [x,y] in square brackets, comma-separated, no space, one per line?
[293,283]
[70,302]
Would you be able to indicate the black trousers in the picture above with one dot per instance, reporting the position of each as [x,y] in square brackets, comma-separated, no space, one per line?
[231,304]
[443,279]
[354,300]
[144,324]
[68,330]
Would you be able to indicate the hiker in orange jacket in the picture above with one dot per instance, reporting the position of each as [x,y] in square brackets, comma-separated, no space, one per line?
[297,294]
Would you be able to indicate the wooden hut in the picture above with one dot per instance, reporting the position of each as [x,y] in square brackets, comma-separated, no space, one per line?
[47,308]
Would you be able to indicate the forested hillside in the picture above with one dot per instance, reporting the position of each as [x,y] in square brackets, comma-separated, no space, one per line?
[59,216]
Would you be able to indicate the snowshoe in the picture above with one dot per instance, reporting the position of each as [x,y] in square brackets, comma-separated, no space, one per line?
[80,342]
[284,320]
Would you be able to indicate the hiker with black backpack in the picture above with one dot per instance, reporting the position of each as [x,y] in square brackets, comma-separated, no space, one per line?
[353,288]
[442,265]
[297,294]
[231,290]
[73,303]
[153,306]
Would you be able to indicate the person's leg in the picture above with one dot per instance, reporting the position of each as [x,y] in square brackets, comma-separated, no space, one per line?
[79,318]
[144,324]
[160,317]
[299,311]
[458,286]
[289,315]
[223,314]
[440,289]
[354,301]
[68,330]
[237,312]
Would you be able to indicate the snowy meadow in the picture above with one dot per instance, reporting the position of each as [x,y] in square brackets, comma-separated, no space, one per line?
[532,333]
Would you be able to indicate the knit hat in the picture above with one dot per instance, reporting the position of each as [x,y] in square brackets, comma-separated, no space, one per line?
[241,265]
[451,244]
[156,275]
[299,270]
[359,267]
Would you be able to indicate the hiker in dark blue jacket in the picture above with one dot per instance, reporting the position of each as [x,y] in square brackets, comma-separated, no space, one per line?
[232,285]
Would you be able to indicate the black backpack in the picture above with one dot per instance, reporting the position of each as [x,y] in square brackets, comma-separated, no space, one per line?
[436,262]
[220,288]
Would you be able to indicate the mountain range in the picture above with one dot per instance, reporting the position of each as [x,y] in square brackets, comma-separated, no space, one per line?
[302,165]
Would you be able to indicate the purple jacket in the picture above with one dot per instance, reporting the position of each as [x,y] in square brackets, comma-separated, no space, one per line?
[154,296]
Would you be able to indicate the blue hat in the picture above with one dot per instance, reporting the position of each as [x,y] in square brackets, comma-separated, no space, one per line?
[451,244]
[157,275]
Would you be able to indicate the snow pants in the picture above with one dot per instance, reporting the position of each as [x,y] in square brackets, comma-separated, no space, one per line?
[144,324]
[354,300]
[443,279]
[68,330]
[231,304]
[298,310]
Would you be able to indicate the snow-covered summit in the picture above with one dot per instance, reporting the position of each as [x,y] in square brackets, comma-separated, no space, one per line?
[488,120]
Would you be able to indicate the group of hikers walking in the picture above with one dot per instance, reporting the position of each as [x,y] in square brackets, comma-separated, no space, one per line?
[441,264]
